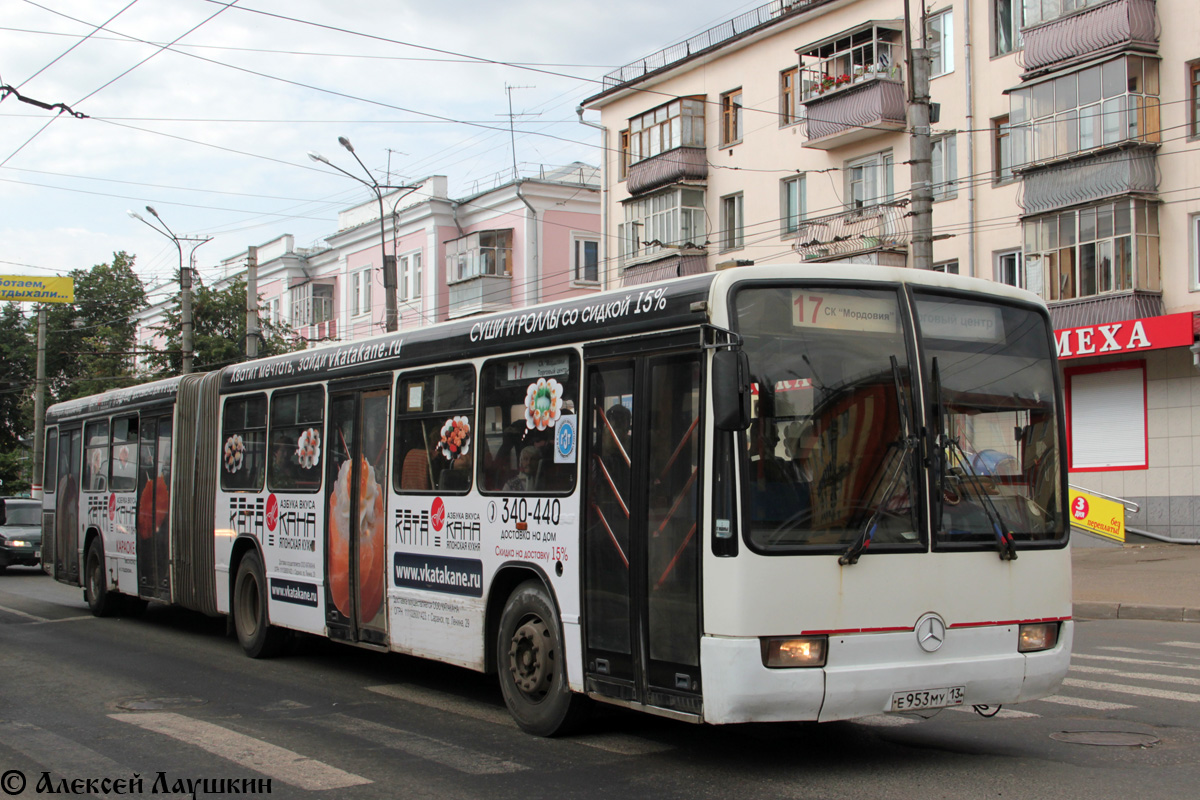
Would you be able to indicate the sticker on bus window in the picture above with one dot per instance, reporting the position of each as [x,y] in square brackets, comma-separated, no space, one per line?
[416,396]
[456,438]
[235,447]
[543,403]
[838,311]
[308,449]
[566,435]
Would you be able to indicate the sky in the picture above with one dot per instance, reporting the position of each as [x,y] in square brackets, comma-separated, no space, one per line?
[206,110]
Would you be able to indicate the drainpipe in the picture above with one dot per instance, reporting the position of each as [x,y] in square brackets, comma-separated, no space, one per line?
[532,278]
[603,194]
[970,146]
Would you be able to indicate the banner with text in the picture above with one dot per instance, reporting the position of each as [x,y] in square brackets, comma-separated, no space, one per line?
[1096,515]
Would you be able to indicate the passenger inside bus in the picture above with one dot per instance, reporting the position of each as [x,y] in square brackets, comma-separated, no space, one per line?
[526,478]
[772,491]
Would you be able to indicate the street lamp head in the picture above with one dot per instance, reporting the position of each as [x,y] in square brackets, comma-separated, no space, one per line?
[152,211]
[344,142]
[135,215]
[317,157]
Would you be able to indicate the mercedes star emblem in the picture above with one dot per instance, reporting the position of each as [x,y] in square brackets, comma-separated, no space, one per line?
[931,632]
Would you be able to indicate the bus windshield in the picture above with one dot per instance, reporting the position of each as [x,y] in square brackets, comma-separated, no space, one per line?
[830,456]
[991,403]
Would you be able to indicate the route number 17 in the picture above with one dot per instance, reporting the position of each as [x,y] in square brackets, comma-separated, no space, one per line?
[813,302]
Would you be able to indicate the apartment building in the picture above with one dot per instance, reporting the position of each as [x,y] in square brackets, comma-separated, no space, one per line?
[1065,162]
[506,246]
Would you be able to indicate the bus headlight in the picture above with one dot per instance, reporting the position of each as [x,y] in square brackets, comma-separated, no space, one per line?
[794,651]
[1037,636]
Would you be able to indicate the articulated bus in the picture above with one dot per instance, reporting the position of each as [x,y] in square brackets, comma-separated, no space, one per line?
[814,492]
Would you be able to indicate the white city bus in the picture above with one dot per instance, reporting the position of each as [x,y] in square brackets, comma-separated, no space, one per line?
[812,492]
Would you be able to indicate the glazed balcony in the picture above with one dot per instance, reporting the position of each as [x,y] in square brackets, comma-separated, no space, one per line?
[480,294]
[1109,27]
[865,107]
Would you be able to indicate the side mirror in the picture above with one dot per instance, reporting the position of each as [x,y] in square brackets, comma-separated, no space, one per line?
[731,390]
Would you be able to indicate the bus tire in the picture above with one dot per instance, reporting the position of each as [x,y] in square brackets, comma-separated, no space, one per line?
[100,600]
[256,635]
[529,660]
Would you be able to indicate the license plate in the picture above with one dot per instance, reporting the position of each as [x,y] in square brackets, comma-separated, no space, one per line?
[37,554]
[928,698]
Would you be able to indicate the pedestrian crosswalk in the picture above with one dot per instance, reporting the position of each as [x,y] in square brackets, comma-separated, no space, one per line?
[1104,680]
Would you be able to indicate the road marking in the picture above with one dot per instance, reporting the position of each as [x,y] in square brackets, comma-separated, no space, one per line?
[41,620]
[618,743]
[1080,702]
[275,762]
[1140,691]
[1189,645]
[62,757]
[1138,676]
[1003,713]
[448,755]
[1148,662]
[1142,652]
[886,721]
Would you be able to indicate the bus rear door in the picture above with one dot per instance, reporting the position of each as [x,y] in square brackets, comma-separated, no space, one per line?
[66,506]
[641,538]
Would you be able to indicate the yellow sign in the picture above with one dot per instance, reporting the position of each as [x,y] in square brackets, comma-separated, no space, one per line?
[1097,515]
[21,289]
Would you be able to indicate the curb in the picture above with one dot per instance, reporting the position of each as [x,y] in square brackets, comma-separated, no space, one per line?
[1136,611]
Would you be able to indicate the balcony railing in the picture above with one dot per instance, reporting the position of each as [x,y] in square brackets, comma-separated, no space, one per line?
[1089,180]
[866,108]
[479,294]
[875,227]
[1112,26]
[682,163]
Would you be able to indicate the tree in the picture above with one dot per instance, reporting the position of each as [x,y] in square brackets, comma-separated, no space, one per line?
[17,367]
[218,332]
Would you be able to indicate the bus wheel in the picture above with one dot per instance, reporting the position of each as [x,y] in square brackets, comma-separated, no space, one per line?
[95,586]
[529,659]
[256,635]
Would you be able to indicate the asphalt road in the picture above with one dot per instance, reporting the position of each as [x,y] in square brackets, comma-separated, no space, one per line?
[170,694]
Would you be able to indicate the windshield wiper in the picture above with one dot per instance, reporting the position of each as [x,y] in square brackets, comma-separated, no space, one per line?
[943,443]
[867,533]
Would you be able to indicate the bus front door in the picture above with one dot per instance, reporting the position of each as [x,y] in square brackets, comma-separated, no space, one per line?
[154,508]
[66,506]
[641,538]
[356,516]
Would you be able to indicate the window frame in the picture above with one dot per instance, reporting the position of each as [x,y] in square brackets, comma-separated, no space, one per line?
[653,132]
[884,160]
[733,222]
[624,154]
[1069,376]
[997,267]
[112,452]
[273,427]
[584,238]
[1015,21]
[405,414]
[227,431]
[948,267]
[732,106]
[792,220]
[89,472]
[947,161]
[360,292]
[1192,81]
[942,56]
[1002,152]
[789,97]
[1194,251]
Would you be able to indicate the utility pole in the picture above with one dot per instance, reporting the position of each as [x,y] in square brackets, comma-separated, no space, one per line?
[920,148]
[39,407]
[252,333]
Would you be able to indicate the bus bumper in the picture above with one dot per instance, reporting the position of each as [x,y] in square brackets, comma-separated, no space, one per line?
[865,670]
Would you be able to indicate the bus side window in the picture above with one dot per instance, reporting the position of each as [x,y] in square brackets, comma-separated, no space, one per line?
[525,399]
[244,443]
[50,465]
[296,440]
[435,426]
[123,454]
[95,458]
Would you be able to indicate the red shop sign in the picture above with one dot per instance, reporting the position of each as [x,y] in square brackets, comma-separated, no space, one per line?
[1127,336]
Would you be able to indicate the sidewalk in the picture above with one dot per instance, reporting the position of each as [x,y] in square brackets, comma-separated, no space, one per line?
[1136,581]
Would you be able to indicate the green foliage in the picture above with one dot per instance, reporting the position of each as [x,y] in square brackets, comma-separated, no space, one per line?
[218,332]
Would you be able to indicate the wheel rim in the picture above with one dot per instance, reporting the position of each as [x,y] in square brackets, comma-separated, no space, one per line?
[95,577]
[531,658]
[247,619]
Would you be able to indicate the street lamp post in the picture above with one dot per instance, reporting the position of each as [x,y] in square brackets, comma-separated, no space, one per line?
[389,262]
[185,281]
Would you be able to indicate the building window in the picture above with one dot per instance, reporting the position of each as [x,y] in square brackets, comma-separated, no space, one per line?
[1106,417]
[939,40]
[868,52]
[623,155]
[1007,268]
[312,304]
[479,253]
[408,268]
[791,203]
[731,117]
[788,107]
[1194,228]
[732,222]
[1111,247]
[869,180]
[1039,11]
[945,167]
[671,219]
[1194,98]
[586,260]
[360,292]
[1107,104]
[415,294]
[1007,21]
[679,123]
[273,312]
[1002,155]
[946,267]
